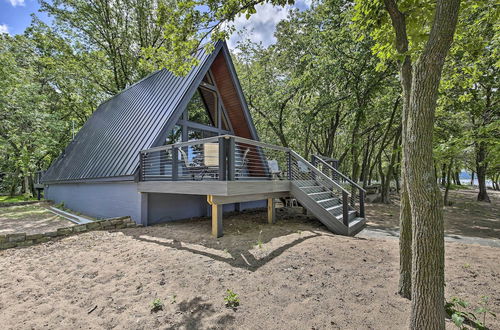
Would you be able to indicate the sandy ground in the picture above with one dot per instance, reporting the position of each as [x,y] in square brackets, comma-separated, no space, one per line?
[30,219]
[465,217]
[291,275]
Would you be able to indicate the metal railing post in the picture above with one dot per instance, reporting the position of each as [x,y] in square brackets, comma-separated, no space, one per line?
[222,159]
[231,147]
[141,166]
[361,203]
[175,163]
[345,208]
[289,164]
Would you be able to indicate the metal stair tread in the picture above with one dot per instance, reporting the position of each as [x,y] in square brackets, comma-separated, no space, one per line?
[333,207]
[341,216]
[318,193]
[326,200]
[306,187]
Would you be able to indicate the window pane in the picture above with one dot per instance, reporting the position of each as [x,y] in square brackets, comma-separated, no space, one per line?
[175,135]
[197,111]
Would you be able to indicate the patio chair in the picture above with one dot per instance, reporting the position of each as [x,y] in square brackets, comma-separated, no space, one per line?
[193,167]
[211,159]
[274,169]
[241,165]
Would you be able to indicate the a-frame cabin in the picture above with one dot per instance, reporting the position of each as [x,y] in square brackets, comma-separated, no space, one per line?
[172,147]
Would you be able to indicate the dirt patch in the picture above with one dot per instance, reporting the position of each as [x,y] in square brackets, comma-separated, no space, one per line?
[30,219]
[465,217]
[294,274]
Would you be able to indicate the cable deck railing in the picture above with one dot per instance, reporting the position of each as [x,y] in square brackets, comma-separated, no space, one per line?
[232,158]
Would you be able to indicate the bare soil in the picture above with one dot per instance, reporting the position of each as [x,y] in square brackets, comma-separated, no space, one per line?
[465,217]
[291,275]
[30,219]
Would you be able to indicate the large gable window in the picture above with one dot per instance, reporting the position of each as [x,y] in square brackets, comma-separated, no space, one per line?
[199,112]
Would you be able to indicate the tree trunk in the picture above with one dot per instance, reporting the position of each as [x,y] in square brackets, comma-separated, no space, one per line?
[448,185]
[427,237]
[481,167]
[457,178]
[405,223]
[443,175]
[472,178]
[386,187]
[427,305]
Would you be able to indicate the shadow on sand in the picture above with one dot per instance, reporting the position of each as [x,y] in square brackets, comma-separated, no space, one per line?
[248,242]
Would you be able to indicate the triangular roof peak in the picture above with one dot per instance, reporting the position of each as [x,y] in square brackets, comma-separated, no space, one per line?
[107,146]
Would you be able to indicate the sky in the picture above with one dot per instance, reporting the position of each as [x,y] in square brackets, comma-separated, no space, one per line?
[15,17]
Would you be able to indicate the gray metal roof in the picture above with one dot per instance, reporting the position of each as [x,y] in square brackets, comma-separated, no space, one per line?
[107,146]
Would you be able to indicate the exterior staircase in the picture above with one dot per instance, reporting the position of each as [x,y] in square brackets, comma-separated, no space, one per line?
[330,196]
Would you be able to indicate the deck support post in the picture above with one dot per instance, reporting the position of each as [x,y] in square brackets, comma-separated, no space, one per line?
[271,211]
[217,220]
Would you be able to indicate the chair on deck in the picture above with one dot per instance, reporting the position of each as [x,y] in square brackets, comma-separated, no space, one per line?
[193,167]
[211,159]
[274,169]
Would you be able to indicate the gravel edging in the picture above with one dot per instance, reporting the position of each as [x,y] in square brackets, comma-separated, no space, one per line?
[14,240]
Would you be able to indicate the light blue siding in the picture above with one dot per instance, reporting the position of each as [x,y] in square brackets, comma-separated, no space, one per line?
[100,200]
[117,199]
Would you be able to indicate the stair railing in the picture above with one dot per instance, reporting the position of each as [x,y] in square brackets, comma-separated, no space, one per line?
[302,170]
[358,194]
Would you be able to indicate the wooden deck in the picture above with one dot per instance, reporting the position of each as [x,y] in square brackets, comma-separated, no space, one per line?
[215,188]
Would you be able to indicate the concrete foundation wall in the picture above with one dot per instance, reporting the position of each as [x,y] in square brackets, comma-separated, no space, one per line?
[99,200]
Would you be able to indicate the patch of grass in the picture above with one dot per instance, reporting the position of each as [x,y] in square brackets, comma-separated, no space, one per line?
[259,241]
[23,211]
[231,299]
[15,199]
[156,305]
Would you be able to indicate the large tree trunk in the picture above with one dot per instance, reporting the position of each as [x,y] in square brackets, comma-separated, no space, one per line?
[427,305]
[405,224]
[481,167]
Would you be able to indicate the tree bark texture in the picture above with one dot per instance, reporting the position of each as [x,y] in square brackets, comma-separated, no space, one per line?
[427,305]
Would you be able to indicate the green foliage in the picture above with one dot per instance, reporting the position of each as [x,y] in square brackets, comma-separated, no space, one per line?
[14,199]
[190,25]
[231,299]
[459,312]
[157,305]
[259,241]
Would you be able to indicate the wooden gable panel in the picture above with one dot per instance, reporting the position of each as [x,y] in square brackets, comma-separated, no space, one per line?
[230,98]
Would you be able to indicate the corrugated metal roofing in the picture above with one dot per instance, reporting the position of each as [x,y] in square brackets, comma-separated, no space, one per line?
[108,145]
